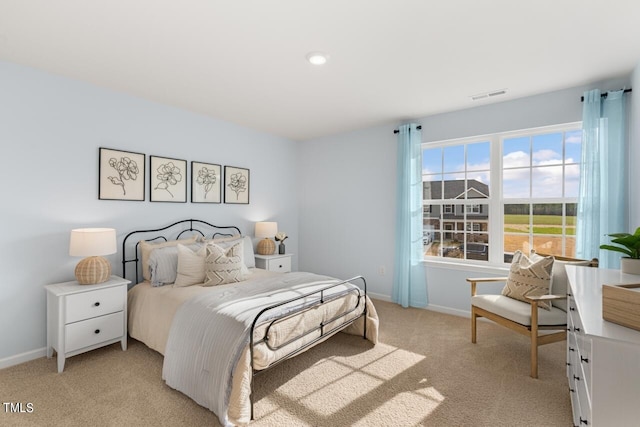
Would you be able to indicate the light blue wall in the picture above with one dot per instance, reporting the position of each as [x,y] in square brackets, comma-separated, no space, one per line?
[634,157]
[50,131]
[347,191]
[334,196]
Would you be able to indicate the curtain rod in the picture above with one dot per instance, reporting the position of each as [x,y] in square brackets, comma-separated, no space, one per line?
[604,95]
[417,127]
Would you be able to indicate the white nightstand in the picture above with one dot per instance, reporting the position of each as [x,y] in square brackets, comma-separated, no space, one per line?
[85,317]
[279,263]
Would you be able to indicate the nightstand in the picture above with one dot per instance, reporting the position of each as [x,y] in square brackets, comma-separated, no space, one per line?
[81,318]
[279,263]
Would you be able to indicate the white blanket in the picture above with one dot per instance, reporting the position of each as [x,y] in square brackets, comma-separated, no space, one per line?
[210,333]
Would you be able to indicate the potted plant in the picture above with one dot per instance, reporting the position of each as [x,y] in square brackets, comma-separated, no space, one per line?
[628,244]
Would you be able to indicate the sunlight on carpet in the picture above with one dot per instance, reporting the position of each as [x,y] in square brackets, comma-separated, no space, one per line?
[401,406]
[341,385]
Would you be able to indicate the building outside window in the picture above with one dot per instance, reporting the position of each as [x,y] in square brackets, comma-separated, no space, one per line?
[488,196]
[473,209]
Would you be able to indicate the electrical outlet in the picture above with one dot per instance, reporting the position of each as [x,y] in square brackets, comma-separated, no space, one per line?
[381,270]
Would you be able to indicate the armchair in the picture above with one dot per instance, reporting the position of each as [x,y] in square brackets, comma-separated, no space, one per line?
[540,325]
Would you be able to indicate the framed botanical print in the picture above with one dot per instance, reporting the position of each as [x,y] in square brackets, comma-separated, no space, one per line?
[168,180]
[206,183]
[236,185]
[120,175]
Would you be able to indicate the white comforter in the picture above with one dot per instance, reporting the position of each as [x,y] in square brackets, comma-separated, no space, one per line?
[206,356]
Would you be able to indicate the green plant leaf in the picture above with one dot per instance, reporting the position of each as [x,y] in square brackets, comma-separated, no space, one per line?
[618,249]
[619,235]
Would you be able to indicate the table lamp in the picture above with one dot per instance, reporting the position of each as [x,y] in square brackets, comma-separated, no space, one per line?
[267,230]
[92,243]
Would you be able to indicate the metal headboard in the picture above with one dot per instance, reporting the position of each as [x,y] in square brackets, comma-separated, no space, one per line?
[179,227]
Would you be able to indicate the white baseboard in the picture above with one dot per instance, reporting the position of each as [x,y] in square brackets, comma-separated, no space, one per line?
[23,357]
[381,297]
[449,310]
[432,307]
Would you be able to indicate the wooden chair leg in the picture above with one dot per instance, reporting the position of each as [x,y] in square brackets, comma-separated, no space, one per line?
[534,340]
[534,356]
[473,324]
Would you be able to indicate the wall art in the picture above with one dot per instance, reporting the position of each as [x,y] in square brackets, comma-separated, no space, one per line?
[168,179]
[206,183]
[120,175]
[236,185]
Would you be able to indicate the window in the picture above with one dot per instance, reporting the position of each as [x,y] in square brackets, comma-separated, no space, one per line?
[489,196]
[473,209]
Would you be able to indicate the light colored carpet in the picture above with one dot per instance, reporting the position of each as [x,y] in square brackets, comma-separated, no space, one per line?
[425,371]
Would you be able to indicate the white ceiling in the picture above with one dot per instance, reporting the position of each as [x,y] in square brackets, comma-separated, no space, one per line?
[244,61]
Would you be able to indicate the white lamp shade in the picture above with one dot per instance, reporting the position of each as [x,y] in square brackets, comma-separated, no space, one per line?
[92,242]
[266,229]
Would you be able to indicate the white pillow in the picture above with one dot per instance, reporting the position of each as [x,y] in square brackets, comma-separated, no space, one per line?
[249,256]
[190,269]
[220,239]
[223,265]
[147,247]
[163,264]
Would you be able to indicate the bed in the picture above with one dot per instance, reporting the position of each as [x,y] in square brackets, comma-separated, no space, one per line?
[217,338]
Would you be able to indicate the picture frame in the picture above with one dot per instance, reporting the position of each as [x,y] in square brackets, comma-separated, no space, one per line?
[206,182]
[121,175]
[168,179]
[236,185]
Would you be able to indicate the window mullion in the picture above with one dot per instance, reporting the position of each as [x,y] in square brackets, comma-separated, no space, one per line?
[496,219]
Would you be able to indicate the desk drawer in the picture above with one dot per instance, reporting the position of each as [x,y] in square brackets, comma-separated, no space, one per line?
[85,305]
[93,331]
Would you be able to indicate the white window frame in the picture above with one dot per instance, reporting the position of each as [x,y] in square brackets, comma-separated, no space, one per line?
[495,201]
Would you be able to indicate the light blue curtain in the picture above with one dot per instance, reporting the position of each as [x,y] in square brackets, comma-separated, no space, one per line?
[602,199]
[409,281]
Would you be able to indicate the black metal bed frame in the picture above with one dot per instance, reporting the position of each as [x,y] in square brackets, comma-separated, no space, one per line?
[320,293]
[190,229]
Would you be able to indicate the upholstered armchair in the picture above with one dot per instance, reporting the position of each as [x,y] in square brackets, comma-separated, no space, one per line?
[528,317]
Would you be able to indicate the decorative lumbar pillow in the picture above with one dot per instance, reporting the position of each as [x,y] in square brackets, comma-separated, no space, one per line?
[190,270]
[529,278]
[223,265]
[147,247]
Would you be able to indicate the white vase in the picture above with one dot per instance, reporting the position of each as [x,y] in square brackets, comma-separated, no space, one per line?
[630,265]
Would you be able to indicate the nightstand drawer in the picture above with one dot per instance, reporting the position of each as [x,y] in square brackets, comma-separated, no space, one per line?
[281,265]
[94,331]
[85,305]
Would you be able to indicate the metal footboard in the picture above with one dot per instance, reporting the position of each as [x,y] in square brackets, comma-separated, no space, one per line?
[361,304]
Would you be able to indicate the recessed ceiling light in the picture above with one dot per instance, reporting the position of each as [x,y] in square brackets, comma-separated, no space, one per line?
[317,58]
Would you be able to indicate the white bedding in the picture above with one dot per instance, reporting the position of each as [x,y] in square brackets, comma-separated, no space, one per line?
[206,353]
[151,309]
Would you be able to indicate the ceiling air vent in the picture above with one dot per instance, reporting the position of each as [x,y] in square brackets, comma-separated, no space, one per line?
[484,95]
